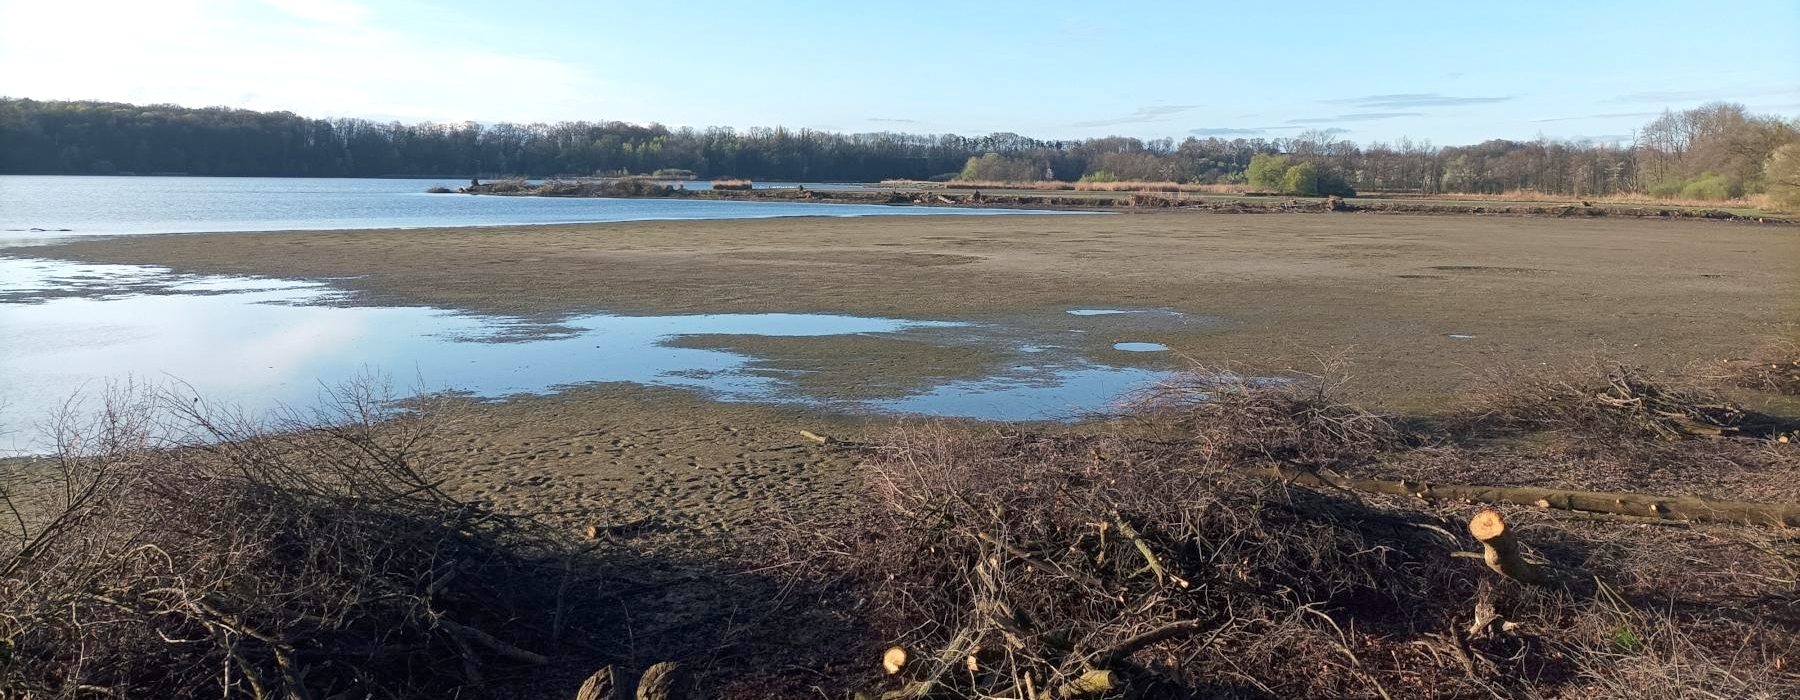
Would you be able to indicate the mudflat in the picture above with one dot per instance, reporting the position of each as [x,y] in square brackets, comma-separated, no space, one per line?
[1393,290]
[1420,304]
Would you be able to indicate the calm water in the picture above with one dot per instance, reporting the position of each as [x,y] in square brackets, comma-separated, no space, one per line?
[90,205]
[71,328]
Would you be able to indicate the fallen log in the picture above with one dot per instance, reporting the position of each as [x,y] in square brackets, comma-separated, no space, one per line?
[1635,505]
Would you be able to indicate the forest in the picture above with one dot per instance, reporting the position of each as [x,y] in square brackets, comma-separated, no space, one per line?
[1714,152]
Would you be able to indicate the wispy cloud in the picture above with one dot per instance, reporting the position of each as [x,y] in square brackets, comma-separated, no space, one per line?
[1226,131]
[1603,115]
[1415,99]
[1356,117]
[888,120]
[1666,96]
[1143,115]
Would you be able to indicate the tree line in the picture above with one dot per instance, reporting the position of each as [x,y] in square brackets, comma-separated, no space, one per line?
[1716,151]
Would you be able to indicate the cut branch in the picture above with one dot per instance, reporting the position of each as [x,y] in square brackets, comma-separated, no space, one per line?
[1637,505]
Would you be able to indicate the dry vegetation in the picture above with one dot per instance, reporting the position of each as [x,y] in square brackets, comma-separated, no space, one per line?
[1755,201]
[1115,186]
[1161,562]
[1233,537]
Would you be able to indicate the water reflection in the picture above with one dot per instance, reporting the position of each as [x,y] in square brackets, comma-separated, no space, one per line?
[66,328]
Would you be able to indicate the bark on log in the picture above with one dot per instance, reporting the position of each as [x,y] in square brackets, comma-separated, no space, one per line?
[1502,549]
[1637,505]
[660,682]
[1090,683]
[603,685]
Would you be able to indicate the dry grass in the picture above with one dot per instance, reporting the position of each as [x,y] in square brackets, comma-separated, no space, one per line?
[732,184]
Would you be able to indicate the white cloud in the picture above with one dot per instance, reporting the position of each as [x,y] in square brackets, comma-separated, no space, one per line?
[316,58]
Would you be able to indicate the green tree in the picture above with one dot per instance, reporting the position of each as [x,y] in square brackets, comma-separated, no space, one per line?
[1267,172]
[1781,175]
[1301,179]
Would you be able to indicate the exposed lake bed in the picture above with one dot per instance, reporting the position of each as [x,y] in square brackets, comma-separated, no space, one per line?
[937,315]
[261,343]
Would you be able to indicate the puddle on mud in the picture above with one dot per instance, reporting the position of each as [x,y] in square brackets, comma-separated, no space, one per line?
[1132,346]
[71,328]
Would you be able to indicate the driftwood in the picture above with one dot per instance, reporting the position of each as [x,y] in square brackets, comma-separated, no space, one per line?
[1501,549]
[1635,505]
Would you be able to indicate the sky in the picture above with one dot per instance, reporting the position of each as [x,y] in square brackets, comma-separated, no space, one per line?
[1445,72]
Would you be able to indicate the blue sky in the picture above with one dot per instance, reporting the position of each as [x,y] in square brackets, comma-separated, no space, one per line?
[1448,72]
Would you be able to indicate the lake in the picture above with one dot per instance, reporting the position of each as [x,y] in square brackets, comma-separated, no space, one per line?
[34,208]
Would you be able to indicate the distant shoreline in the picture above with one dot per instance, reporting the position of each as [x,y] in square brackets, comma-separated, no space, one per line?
[1006,198]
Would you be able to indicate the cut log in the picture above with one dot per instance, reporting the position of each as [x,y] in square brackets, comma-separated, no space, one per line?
[815,437]
[660,682]
[603,685]
[1501,548]
[1637,505]
[894,660]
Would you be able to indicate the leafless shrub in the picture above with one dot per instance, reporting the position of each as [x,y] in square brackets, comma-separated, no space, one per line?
[1294,418]
[1775,368]
[1043,557]
[225,562]
[1608,400]
[1012,563]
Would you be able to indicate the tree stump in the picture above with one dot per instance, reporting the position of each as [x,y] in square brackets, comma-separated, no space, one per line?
[1502,549]
[660,682]
[603,685]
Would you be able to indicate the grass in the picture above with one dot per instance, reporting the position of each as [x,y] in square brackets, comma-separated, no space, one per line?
[732,184]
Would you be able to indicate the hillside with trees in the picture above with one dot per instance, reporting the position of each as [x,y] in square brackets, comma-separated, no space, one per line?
[1714,152]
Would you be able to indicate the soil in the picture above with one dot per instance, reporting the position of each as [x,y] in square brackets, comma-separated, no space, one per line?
[1388,291]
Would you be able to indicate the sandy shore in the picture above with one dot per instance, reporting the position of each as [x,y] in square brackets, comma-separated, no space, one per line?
[1390,289]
